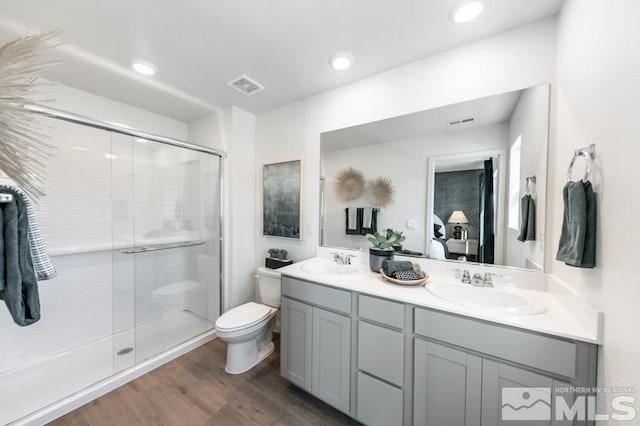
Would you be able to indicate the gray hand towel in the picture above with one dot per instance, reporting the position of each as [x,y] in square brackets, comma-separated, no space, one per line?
[18,284]
[527,219]
[354,220]
[42,262]
[577,246]
[524,218]
[391,266]
[531,219]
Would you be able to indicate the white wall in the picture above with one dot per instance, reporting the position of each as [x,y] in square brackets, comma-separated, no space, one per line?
[530,123]
[508,61]
[596,101]
[405,164]
[104,109]
[233,130]
[209,131]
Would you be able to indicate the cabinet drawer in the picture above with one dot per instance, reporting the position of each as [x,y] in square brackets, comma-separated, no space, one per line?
[382,311]
[378,403]
[381,352]
[533,350]
[319,295]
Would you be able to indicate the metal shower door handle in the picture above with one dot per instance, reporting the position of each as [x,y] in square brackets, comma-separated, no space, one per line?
[157,247]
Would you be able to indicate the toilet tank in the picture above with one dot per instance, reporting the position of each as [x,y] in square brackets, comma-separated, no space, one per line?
[268,287]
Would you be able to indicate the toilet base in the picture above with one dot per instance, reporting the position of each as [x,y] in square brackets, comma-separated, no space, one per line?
[239,365]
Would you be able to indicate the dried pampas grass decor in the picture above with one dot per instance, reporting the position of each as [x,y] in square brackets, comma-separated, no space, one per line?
[349,184]
[381,191]
[23,151]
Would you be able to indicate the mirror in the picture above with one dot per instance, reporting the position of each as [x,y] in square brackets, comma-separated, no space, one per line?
[475,171]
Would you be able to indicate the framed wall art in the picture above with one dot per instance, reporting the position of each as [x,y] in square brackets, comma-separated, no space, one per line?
[281,187]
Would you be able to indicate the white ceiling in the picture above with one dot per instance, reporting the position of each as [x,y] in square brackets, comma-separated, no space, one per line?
[199,45]
[485,111]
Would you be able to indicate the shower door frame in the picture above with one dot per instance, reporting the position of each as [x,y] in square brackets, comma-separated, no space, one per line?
[90,122]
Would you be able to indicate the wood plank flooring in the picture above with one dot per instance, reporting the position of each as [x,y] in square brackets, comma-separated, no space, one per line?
[195,390]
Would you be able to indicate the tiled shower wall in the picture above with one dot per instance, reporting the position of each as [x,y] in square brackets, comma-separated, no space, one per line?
[75,219]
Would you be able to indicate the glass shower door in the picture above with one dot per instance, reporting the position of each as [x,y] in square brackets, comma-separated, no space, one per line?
[176,245]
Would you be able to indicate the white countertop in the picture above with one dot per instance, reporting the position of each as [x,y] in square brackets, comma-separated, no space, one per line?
[566,315]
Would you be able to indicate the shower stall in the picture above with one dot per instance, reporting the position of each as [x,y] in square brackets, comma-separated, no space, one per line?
[133,222]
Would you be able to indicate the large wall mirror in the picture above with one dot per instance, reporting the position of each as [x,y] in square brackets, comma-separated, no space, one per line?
[468,180]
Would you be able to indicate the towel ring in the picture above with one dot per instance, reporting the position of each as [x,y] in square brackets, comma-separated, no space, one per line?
[589,153]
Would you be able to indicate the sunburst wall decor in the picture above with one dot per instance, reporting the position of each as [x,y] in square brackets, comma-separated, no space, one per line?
[381,191]
[349,184]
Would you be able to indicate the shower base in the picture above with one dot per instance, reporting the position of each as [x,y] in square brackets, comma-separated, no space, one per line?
[42,390]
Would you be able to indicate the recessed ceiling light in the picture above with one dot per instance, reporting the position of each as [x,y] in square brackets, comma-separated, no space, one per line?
[144,68]
[465,12]
[341,61]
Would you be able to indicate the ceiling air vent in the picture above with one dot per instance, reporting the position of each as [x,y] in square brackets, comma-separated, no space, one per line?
[245,85]
[463,121]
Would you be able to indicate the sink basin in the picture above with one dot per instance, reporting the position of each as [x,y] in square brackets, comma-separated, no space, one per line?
[494,300]
[321,266]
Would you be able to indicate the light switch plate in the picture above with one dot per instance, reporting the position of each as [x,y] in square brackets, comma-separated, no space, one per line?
[412,224]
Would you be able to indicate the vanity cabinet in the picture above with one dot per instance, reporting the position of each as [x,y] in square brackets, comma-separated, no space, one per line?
[316,340]
[462,365]
[386,362]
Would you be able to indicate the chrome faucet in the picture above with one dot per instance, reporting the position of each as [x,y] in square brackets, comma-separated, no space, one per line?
[342,259]
[477,280]
[487,279]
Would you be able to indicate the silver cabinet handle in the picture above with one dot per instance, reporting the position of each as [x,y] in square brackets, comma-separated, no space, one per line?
[156,247]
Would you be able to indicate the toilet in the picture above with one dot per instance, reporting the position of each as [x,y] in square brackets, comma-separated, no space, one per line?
[248,328]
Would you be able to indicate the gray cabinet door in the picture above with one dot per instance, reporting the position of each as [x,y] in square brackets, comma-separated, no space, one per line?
[511,395]
[379,403]
[447,386]
[331,358]
[295,345]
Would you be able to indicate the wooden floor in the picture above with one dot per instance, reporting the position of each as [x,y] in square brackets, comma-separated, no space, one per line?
[195,390]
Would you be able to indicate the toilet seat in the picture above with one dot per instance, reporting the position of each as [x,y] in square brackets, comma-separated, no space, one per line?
[243,316]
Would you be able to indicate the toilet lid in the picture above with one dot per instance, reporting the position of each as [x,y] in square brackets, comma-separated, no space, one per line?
[243,316]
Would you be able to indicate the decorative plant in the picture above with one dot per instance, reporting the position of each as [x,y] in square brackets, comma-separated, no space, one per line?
[281,254]
[386,239]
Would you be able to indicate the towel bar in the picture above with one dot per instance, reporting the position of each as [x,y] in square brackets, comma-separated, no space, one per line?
[6,198]
[156,247]
[589,153]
